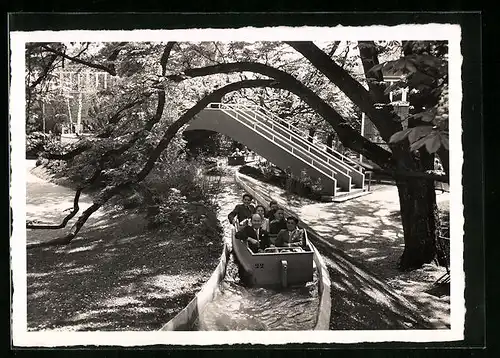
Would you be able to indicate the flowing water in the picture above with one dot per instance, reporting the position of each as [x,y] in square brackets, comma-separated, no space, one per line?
[236,307]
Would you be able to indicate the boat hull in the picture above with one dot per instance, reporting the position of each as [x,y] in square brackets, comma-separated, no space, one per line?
[273,269]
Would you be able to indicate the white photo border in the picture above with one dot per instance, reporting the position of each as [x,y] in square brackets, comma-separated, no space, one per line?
[20,334]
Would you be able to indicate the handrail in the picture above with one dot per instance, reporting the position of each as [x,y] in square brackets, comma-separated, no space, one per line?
[314,140]
[332,176]
[292,151]
[305,142]
[344,157]
[293,129]
[318,159]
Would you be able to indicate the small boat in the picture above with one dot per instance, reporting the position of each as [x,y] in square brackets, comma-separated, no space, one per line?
[236,160]
[278,266]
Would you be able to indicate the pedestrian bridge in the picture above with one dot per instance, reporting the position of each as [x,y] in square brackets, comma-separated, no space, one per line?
[284,145]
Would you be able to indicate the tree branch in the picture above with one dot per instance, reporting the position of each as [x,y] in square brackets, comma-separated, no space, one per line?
[110,191]
[352,88]
[118,115]
[369,58]
[189,114]
[165,56]
[44,73]
[334,48]
[110,70]
[347,134]
[65,220]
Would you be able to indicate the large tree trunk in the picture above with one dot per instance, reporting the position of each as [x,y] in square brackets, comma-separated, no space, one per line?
[420,219]
[419,212]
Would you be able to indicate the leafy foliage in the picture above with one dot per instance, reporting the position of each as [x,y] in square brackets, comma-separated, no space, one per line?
[175,195]
[426,76]
[39,142]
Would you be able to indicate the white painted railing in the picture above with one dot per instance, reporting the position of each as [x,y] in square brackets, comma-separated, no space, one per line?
[301,136]
[343,174]
[335,160]
[235,114]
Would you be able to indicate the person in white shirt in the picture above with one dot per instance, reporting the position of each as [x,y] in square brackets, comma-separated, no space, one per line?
[261,210]
[256,238]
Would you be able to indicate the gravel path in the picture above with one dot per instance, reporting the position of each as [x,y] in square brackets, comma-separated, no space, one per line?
[49,203]
[115,275]
[368,229]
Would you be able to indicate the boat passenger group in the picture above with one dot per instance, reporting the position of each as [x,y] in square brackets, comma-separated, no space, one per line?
[263,230]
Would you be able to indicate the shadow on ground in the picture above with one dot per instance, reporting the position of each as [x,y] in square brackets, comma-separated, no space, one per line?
[366,240]
[116,276]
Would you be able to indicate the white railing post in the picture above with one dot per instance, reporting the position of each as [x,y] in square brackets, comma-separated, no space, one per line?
[237,113]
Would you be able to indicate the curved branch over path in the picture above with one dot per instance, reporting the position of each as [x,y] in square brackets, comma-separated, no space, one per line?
[73,212]
[350,86]
[111,70]
[110,191]
[347,134]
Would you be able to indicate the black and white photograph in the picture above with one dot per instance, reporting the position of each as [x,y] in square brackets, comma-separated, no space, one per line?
[188,186]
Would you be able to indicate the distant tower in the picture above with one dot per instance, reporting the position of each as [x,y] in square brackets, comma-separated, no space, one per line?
[398,98]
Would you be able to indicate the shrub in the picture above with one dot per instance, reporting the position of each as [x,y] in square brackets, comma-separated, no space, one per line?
[35,144]
[176,196]
[304,186]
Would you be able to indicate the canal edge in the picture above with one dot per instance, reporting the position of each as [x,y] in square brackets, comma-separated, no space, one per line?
[189,314]
[325,302]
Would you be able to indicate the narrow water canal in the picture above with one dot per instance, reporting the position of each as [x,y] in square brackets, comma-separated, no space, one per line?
[237,307]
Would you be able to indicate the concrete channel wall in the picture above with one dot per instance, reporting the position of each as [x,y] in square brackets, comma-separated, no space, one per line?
[185,319]
[325,302]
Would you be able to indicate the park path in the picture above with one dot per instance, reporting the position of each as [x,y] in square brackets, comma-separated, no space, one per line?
[369,230]
[49,203]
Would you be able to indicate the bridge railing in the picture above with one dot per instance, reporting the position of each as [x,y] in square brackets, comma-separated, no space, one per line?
[280,141]
[302,136]
[276,136]
[295,134]
[314,140]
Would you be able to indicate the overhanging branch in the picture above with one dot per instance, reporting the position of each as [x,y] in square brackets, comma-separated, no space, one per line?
[347,134]
[73,212]
[347,84]
[98,66]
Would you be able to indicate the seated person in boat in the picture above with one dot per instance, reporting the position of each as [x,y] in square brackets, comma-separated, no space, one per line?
[273,205]
[261,210]
[237,153]
[242,211]
[256,238]
[278,223]
[292,235]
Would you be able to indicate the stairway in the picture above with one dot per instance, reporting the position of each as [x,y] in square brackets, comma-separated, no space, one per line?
[285,146]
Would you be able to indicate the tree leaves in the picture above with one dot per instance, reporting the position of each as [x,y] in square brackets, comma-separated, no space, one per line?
[414,135]
[399,136]
[444,140]
[433,143]
[418,132]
